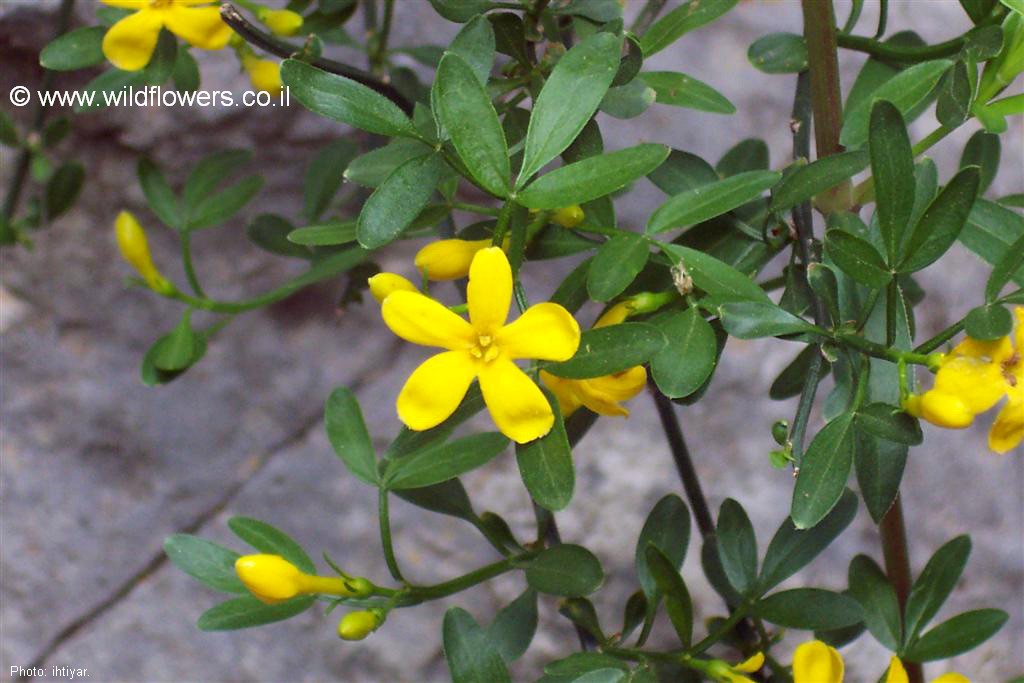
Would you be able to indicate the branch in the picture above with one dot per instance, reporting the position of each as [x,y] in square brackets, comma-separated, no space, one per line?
[268,43]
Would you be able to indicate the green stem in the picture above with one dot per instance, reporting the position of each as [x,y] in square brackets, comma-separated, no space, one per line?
[384,517]
[882,351]
[910,55]
[723,629]
[941,338]
[420,594]
[826,99]
[897,566]
[186,260]
[380,44]
[502,226]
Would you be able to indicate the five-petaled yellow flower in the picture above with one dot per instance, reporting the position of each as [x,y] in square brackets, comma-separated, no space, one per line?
[972,378]
[602,395]
[129,43]
[484,348]
[816,662]
[272,579]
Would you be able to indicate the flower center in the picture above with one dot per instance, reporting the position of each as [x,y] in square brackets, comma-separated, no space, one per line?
[1008,367]
[484,349]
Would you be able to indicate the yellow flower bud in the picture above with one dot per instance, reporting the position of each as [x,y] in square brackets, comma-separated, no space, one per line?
[272,579]
[131,240]
[383,284]
[448,259]
[568,216]
[264,74]
[358,625]
[615,315]
[281,22]
[816,662]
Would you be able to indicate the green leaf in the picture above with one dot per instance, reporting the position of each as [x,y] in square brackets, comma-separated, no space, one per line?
[737,546]
[76,49]
[151,375]
[982,150]
[779,53]
[464,108]
[161,63]
[750,154]
[955,93]
[397,201]
[409,441]
[810,609]
[567,570]
[936,581]
[890,423]
[208,563]
[721,281]
[892,167]
[217,208]
[593,177]
[790,381]
[680,90]
[568,99]
[960,634]
[159,195]
[814,178]
[678,603]
[460,11]
[444,461]
[870,587]
[990,232]
[447,498]
[682,171]
[328,234]
[581,612]
[857,258]
[607,350]
[823,472]
[211,172]
[905,90]
[879,464]
[247,612]
[628,101]
[177,352]
[707,201]
[545,465]
[791,549]
[346,430]
[475,45]
[680,21]
[690,337]
[8,131]
[370,169]
[755,319]
[942,221]
[62,189]
[514,626]
[667,528]
[270,232]
[580,663]
[988,322]
[1011,262]
[186,71]
[324,175]
[268,539]
[616,265]
[111,81]
[342,99]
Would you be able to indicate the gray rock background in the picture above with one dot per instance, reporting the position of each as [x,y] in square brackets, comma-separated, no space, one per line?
[98,469]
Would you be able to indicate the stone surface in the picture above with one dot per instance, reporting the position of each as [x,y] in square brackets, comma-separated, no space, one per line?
[97,469]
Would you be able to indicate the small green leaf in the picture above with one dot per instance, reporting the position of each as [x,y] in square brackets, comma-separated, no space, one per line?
[681,90]
[76,49]
[545,464]
[159,195]
[892,167]
[464,108]
[247,612]
[750,154]
[568,99]
[1011,262]
[942,221]
[690,337]
[810,609]
[443,461]
[858,258]
[328,234]
[217,208]
[737,546]
[447,498]
[514,626]
[607,350]
[474,43]
[707,201]
[616,265]
[566,570]
[346,430]
[682,171]
[179,348]
[982,150]
[324,175]
[593,177]
[960,634]
[890,423]
[628,101]
[870,587]
[8,131]
[807,181]
[990,232]
[342,99]
[955,93]
[779,53]
[755,319]
[678,603]
[460,11]
[62,189]
[370,169]
[988,322]
[680,21]
[721,281]
[667,528]
[397,201]
[267,539]
[186,71]
[205,561]
[823,472]
[270,232]
[933,586]
[790,381]
[211,172]
[879,464]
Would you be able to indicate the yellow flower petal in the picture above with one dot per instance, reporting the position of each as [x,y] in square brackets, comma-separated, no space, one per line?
[448,259]
[282,22]
[977,383]
[945,410]
[435,389]
[127,4]
[198,26]
[995,351]
[565,390]
[614,315]
[1008,430]
[129,43]
[952,678]
[816,662]
[270,578]
[516,404]
[264,74]
[544,331]
[489,293]
[383,284]
[751,665]
[621,386]
[421,320]
[896,672]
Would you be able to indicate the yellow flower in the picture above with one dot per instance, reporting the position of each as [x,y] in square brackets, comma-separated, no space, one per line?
[272,579]
[450,259]
[972,378]
[131,240]
[897,674]
[483,347]
[725,673]
[383,284]
[599,394]
[129,43]
[816,662]
[281,22]
[264,74]
[358,625]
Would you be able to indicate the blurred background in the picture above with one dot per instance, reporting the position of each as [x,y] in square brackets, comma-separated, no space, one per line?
[97,469]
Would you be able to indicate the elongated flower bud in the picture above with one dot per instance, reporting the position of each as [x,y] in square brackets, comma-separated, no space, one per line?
[358,625]
[131,240]
[272,579]
[383,284]
[264,74]
[568,216]
[615,315]
[448,259]
[281,22]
